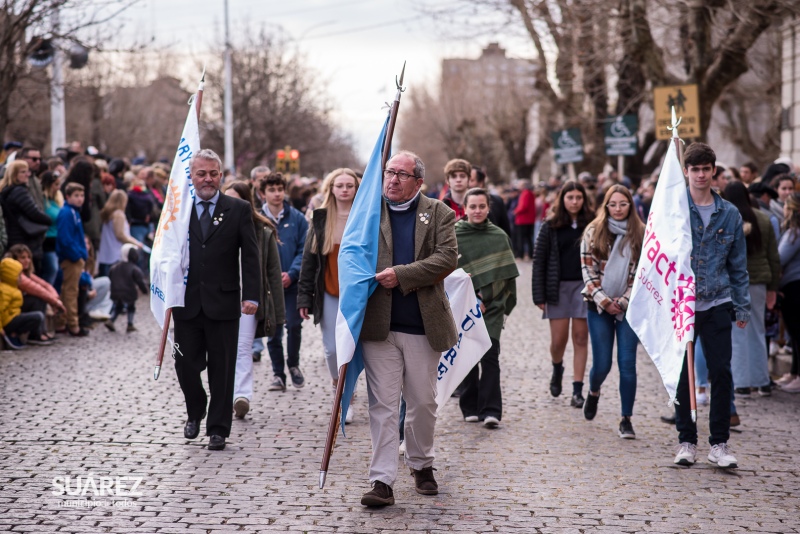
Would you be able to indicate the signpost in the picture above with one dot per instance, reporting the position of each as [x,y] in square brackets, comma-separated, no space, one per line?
[620,138]
[687,106]
[568,148]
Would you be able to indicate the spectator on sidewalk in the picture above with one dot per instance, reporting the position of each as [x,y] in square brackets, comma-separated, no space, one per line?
[125,278]
[36,292]
[116,232]
[72,254]
[789,251]
[14,321]
[53,202]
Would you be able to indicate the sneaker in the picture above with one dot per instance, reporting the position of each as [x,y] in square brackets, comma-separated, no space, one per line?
[240,407]
[110,326]
[491,422]
[348,418]
[577,401]
[472,419]
[793,386]
[277,384]
[765,391]
[773,348]
[39,341]
[256,356]
[626,429]
[702,398]
[97,315]
[298,380]
[720,455]
[424,482]
[130,329]
[785,379]
[13,342]
[379,495]
[687,454]
[555,380]
[590,406]
[402,448]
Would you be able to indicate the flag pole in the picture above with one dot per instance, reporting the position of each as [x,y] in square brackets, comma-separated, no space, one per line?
[690,345]
[333,423]
[162,346]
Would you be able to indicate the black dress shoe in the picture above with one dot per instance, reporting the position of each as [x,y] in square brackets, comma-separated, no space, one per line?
[192,428]
[216,443]
[669,419]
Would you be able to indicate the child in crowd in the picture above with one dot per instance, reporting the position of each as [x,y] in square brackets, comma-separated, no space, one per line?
[14,321]
[72,254]
[125,277]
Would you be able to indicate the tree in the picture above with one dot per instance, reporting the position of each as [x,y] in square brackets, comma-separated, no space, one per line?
[25,24]
[277,101]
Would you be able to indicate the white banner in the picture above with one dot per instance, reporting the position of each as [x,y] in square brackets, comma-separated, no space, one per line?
[473,338]
[661,309]
[169,260]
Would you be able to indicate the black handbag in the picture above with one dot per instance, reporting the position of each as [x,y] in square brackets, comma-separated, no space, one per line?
[30,228]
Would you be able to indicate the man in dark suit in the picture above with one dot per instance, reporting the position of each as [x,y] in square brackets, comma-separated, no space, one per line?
[207,327]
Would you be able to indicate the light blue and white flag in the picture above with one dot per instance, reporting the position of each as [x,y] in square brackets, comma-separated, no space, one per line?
[358,261]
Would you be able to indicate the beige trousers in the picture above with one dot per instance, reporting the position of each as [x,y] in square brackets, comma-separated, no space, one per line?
[69,290]
[406,363]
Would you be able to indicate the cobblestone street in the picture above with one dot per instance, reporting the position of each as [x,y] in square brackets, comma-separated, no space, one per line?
[90,406]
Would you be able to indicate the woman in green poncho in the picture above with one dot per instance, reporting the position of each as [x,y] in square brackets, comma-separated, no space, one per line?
[485,253]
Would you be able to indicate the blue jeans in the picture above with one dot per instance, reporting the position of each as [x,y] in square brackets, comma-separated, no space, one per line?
[294,323]
[602,328]
[49,267]
[139,232]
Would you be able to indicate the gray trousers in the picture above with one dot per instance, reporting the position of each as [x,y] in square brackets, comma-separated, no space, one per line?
[403,363]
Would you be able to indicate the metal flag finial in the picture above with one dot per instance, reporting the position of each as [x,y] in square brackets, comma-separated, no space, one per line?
[675,122]
[399,83]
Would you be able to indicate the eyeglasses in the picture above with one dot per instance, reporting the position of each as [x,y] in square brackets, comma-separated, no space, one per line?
[401,175]
[33,159]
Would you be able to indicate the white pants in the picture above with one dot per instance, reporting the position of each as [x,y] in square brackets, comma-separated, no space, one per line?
[330,310]
[243,383]
[406,363]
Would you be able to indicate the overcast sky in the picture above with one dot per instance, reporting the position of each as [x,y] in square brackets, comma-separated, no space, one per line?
[357,46]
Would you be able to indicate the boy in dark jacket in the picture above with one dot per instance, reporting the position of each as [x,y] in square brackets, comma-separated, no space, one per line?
[72,254]
[125,277]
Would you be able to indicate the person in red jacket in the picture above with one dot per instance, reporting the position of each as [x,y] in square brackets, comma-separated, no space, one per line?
[524,219]
[36,292]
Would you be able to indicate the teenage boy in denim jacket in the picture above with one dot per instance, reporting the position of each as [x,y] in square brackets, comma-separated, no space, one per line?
[719,262]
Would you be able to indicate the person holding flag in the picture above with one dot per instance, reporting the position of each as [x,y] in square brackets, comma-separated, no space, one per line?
[719,263]
[407,324]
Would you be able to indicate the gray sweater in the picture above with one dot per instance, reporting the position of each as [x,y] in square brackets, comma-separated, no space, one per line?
[789,251]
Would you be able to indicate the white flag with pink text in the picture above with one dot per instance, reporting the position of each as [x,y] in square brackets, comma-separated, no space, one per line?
[661,309]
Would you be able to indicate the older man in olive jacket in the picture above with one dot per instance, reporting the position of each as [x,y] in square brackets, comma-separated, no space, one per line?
[408,323]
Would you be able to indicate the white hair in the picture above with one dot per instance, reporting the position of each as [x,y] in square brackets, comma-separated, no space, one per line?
[207,154]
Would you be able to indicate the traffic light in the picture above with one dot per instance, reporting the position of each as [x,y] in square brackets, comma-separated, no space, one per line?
[287,160]
[281,161]
[294,160]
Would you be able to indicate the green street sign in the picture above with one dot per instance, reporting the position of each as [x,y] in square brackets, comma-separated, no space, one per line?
[620,135]
[567,145]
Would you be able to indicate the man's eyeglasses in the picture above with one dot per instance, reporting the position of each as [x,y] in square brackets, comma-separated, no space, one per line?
[401,175]
[33,159]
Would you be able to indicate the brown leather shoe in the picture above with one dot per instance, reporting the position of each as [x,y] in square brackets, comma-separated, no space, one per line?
[424,481]
[380,495]
[735,421]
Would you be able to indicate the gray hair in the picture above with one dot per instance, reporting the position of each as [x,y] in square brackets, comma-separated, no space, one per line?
[207,154]
[258,170]
[419,166]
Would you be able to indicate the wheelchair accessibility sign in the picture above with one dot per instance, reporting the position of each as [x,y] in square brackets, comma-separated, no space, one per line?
[620,135]
[567,145]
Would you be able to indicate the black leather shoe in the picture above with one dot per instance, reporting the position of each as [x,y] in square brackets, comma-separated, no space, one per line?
[555,380]
[192,428]
[216,443]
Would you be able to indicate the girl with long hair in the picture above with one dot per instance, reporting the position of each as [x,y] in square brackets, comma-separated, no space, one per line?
[789,251]
[750,362]
[610,250]
[318,286]
[271,308]
[557,284]
[37,293]
[115,232]
[53,202]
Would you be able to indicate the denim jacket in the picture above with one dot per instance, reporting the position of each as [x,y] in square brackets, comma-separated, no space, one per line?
[719,256]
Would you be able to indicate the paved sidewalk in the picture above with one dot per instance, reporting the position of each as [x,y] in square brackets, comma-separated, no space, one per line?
[90,407]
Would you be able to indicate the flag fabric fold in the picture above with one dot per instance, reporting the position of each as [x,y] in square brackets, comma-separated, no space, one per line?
[169,259]
[662,303]
[358,260]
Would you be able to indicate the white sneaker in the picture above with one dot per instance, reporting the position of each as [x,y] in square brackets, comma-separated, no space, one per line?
[402,448]
[702,398]
[773,348]
[687,454]
[349,417]
[491,421]
[472,419]
[785,379]
[720,455]
[793,386]
[98,315]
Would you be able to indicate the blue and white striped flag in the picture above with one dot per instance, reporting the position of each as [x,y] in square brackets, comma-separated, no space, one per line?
[358,260]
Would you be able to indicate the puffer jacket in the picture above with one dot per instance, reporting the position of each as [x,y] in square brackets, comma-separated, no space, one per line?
[10,295]
[17,201]
[311,286]
[546,266]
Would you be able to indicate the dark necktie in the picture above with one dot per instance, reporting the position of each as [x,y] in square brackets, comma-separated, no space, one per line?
[205,218]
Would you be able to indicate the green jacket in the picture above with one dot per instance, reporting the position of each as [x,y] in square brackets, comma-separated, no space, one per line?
[764,265]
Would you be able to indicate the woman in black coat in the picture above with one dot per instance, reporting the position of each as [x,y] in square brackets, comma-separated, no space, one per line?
[26,224]
[558,281]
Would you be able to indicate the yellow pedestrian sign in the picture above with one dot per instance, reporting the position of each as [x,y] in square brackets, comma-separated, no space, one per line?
[686,102]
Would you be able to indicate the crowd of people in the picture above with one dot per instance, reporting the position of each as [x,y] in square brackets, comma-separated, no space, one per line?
[76,231]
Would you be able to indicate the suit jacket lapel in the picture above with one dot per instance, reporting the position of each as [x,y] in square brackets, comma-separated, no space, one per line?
[424,209]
